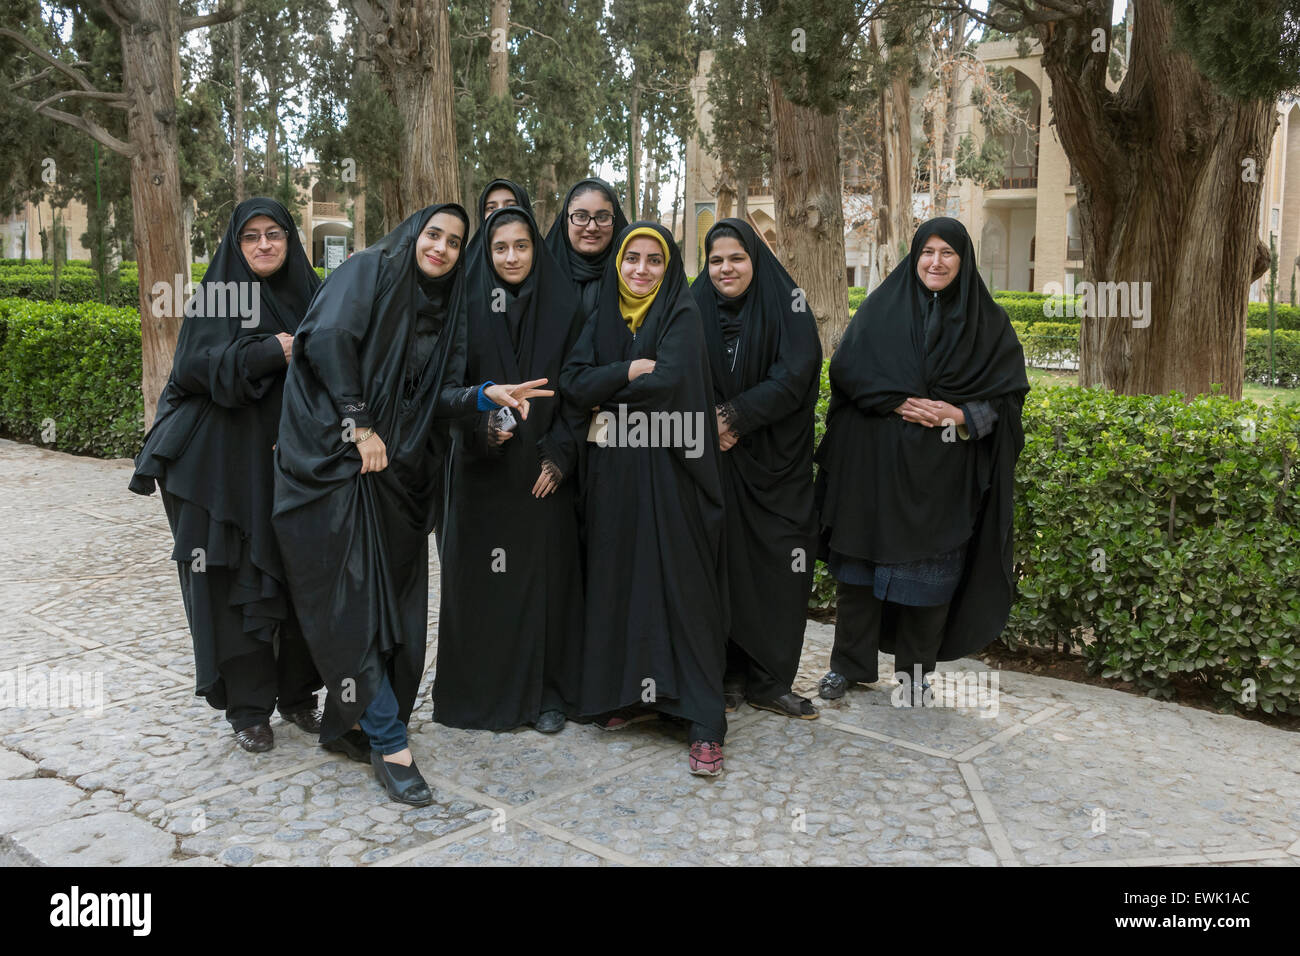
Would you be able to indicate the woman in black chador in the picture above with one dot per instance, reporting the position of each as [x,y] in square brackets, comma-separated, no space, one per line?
[917,467]
[766,362]
[210,454]
[582,237]
[497,194]
[379,357]
[510,628]
[656,609]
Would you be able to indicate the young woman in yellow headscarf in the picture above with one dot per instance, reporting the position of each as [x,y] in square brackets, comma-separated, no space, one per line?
[656,617]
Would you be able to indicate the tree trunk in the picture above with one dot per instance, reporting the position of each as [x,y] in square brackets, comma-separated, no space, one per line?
[499,55]
[272,155]
[650,204]
[894,218]
[634,148]
[237,58]
[1163,163]
[677,191]
[943,176]
[411,42]
[545,206]
[726,190]
[150,44]
[359,214]
[810,210]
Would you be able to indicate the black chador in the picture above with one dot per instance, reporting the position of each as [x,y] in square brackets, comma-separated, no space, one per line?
[382,348]
[585,270]
[656,618]
[765,357]
[916,519]
[210,454]
[510,627]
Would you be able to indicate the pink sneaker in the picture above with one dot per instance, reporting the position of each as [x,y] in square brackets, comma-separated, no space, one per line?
[706,759]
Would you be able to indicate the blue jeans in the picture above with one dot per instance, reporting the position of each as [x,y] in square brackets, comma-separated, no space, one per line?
[387,734]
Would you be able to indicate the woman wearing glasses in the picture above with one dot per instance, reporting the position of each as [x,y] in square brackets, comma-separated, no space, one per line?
[581,240]
[210,455]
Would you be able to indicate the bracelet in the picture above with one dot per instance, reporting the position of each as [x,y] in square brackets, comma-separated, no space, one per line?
[370,433]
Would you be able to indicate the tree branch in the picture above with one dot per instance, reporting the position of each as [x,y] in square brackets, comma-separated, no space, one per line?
[222,15]
[87,126]
[34,78]
[55,63]
[118,101]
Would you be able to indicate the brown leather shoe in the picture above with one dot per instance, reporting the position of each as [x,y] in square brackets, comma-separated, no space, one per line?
[256,739]
[308,720]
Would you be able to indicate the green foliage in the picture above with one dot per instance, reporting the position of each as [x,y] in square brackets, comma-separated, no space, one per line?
[985,165]
[1249,50]
[1160,538]
[75,367]
[79,283]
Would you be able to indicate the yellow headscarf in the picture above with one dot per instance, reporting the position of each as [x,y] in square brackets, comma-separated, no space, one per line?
[631,306]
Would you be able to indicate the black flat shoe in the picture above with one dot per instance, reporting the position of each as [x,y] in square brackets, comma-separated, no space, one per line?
[832,686]
[404,784]
[549,722]
[308,720]
[354,743]
[788,705]
[256,739]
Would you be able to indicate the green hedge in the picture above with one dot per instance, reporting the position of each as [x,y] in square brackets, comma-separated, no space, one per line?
[78,283]
[1163,540]
[1056,345]
[77,366]
[1213,597]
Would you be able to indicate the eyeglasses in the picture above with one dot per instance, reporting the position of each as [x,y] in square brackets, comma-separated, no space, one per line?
[582,217]
[252,238]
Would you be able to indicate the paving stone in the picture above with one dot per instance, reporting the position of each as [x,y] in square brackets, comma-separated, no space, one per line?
[14,766]
[101,839]
[25,804]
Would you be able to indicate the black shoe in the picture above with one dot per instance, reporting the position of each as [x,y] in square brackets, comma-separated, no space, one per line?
[788,705]
[404,784]
[832,686]
[256,739]
[549,722]
[308,720]
[354,743]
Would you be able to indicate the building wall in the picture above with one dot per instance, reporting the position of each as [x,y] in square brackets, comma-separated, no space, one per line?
[34,217]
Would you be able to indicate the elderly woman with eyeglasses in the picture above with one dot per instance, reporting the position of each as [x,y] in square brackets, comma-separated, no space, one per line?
[210,454]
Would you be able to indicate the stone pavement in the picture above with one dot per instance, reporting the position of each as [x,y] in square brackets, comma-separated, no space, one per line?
[139,771]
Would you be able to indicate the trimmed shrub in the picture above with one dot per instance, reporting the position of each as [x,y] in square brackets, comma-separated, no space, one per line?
[1163,540]
[1286,357]
[70,376]
[79,283]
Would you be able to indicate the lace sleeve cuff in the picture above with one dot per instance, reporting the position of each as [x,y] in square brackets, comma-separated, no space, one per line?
[730,417]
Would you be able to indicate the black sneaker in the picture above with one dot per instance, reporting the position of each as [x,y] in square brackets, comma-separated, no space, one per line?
[832,686]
